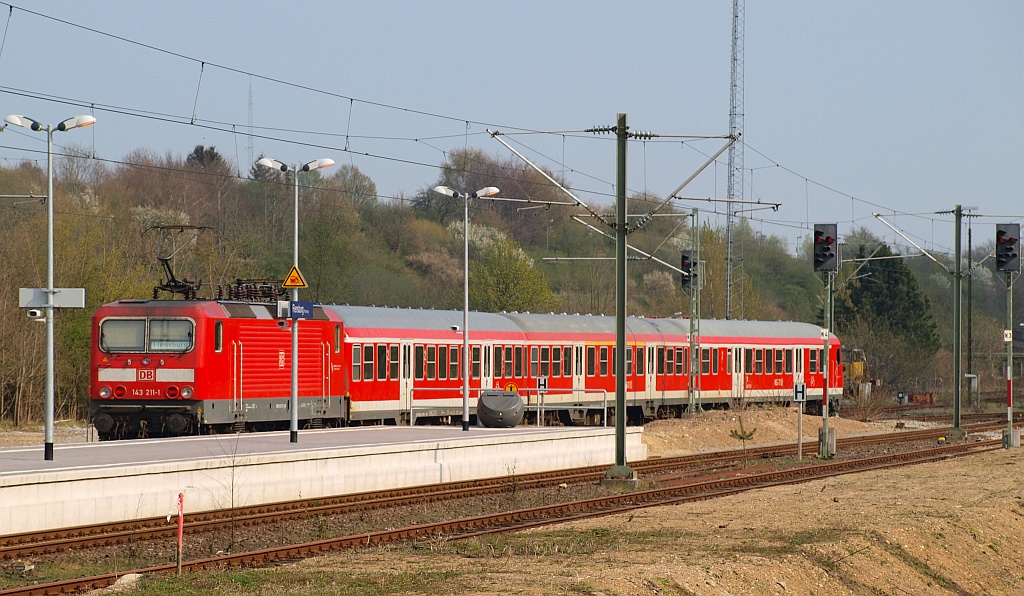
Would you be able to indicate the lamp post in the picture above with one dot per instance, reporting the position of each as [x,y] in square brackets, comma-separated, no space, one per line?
[70,123]
[488,191]
[316,164]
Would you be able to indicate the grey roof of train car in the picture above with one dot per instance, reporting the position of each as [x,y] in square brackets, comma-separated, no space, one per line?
[417,318]
[515,322]
[397,317]
[665,326]
[443,320]
[794,329]
[539,323]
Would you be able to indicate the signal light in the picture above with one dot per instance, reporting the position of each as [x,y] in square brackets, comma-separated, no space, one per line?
[1008,247]
[825,248]
[686,265]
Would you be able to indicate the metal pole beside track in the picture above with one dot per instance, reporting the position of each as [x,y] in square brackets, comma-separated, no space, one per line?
[294,423]
[465,313]
[316,164]
[48,405]
[620,471]
[1009,361]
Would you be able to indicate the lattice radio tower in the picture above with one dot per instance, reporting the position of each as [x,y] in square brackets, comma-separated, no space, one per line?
[735,175]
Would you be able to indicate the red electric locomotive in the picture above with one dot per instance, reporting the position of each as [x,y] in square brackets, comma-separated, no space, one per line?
[182,367]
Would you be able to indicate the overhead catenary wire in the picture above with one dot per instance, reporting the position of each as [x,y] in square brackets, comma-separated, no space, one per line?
[233,128]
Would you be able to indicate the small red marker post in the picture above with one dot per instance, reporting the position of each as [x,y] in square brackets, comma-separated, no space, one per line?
[181,526]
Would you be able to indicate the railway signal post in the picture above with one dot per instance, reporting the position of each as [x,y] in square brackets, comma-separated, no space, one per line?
[826,261]
[692,280]
[1008,262]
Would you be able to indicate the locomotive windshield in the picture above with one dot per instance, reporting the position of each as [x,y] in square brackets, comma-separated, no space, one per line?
[146,335]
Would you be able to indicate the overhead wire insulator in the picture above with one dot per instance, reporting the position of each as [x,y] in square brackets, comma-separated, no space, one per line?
[600,129]
[642,135]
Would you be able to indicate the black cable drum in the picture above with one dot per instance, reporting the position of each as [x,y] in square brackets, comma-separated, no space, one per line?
[499,409]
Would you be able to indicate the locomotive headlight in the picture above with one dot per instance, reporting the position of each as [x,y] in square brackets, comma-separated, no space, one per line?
[120,391]
[172,392]
[104,392]
[186,392]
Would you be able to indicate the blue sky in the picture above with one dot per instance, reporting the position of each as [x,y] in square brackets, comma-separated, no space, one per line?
[850,108]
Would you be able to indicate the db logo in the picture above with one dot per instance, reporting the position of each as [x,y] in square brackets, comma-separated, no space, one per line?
[147,375]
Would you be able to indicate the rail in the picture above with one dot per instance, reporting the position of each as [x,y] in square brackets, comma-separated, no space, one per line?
[696,489]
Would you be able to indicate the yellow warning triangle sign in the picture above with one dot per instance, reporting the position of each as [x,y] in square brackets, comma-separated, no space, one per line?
[294,280]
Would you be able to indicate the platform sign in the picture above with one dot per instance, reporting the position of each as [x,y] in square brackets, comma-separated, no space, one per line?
[299,309]
[799,392]
[512,387]
[62,297]
[823,333]
[542,385]
[1007,335]
[294,280]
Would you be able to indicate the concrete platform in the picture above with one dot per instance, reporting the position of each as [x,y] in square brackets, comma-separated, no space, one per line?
[122,480]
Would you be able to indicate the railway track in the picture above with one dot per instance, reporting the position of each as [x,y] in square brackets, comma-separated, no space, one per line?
[62,540]
[943,414]
[671,492]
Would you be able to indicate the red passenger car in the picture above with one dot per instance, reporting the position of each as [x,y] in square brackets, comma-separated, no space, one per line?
[181,367]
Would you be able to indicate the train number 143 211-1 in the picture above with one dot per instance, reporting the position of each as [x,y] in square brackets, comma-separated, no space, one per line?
[146,393]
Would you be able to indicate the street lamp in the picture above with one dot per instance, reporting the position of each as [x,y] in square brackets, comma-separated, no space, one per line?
[488,191]
[75,122]
[316,164]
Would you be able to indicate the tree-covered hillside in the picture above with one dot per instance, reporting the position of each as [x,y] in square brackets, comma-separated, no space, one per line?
[361,248]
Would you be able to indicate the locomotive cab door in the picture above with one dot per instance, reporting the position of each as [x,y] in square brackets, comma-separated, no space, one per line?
[325,379]
[405,377]
[237,378]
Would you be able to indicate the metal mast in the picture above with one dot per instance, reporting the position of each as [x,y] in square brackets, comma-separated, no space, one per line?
[735,175]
